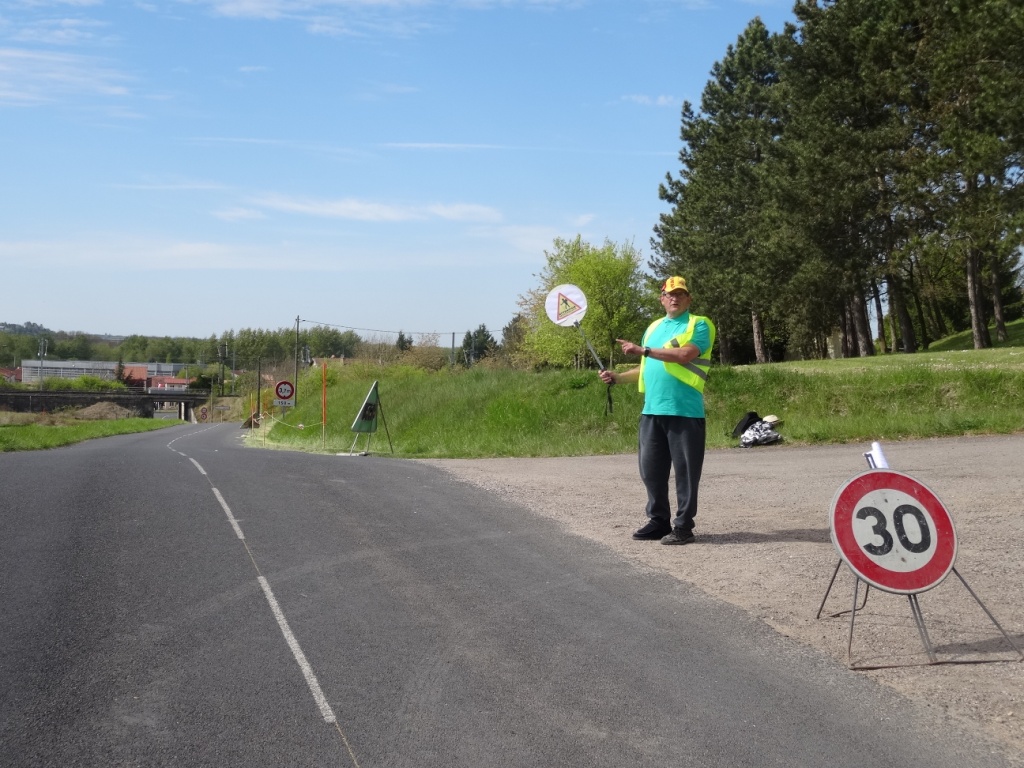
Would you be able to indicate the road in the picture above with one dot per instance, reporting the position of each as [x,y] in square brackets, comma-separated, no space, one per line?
[175,599]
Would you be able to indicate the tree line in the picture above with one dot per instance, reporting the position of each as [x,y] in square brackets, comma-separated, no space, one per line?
[866,160]
[245,348]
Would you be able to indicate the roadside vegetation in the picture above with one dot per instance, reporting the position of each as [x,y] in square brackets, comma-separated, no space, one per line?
[495,410]
[34,431]
[484,412]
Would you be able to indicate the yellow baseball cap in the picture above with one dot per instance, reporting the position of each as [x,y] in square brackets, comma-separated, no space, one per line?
[674,284]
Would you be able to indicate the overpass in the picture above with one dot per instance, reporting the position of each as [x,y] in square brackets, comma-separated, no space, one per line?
[141,402]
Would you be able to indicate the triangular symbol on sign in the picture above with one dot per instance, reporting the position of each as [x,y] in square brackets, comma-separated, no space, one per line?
[366,421]
[566,306]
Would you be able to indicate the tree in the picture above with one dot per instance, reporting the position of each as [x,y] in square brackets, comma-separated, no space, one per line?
[725,233]
[404,342]
[513,338]
[76,347]
[620,302]
[478,344]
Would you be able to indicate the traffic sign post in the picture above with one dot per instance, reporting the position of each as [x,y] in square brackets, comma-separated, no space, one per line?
[895,535]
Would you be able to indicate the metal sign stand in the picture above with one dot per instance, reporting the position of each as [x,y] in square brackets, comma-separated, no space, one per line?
[876,460]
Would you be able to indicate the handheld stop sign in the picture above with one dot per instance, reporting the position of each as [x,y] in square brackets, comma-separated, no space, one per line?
[566,305]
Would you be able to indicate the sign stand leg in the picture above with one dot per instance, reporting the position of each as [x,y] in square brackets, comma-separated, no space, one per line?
[915,610]
[853,618]
[366,451]
[867,588]
[988,613]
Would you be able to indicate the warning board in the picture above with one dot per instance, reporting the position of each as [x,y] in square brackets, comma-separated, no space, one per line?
[893,532]
[366,420]
[565,304]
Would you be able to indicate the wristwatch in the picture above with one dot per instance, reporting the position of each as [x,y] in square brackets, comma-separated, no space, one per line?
[647,351]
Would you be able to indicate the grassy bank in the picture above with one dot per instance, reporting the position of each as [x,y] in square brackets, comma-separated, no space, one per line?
[59,432]
[480,413]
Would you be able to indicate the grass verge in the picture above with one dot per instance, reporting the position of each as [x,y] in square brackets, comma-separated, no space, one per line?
[496,413]
[31,437]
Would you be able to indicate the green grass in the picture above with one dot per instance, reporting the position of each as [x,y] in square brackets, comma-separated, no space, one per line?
[485,413]
[30,437]
[949,390]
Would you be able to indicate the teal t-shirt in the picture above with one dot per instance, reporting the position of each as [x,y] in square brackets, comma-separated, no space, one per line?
[664,394]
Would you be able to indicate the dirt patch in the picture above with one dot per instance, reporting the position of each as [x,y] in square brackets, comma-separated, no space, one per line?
[763,544]
[101,411]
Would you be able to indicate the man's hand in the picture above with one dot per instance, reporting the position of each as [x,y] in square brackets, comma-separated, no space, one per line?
[629,348]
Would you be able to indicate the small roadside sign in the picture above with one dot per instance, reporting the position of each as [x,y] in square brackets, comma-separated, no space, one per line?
[893,532]
[366,419]
[285,393]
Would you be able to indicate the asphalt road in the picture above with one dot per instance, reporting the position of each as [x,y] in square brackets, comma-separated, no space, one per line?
[174,599]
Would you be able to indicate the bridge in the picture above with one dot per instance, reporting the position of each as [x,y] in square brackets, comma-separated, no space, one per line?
[141,402]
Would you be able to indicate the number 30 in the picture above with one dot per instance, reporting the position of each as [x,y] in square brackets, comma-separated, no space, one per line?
[880,530]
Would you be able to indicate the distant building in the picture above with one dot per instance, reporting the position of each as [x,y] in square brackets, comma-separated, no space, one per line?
[33,370]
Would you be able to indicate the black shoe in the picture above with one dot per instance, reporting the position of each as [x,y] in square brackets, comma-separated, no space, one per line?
[655,529]
[679,536]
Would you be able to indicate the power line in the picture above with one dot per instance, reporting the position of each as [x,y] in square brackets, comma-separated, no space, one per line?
[378,330]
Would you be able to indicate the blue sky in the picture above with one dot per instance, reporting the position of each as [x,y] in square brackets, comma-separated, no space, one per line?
[178,168]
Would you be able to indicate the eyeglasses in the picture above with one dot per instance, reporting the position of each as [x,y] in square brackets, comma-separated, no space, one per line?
[675,294]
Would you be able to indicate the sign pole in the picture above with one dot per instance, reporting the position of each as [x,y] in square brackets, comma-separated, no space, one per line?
[566,305]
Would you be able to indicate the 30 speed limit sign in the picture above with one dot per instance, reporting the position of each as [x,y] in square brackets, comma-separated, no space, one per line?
[893,532]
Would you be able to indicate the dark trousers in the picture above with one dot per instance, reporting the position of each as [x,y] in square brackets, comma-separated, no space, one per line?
[667,443]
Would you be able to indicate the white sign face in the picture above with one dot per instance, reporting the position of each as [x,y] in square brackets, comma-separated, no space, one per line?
[565,304]
[893,532]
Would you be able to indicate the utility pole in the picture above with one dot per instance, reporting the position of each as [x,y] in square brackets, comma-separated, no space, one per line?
[295,394]
[42,353]
[223,350]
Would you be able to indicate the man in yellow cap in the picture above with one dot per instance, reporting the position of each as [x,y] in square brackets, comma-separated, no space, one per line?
[675,359]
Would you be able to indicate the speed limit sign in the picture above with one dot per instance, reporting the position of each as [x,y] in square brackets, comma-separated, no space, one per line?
[893,532]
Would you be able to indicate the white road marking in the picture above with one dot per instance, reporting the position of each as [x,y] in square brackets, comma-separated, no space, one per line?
[300,657]
[282,622]
[231,517]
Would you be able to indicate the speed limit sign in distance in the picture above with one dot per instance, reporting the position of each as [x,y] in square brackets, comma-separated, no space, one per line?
[893,532]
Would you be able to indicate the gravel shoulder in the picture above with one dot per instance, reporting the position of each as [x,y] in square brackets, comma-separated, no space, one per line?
[763,545]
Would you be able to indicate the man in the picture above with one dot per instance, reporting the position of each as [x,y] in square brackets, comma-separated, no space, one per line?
[676,356]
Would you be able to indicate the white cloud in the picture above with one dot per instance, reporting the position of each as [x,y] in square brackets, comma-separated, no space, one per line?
[59,32]
[346,208]
[528,240]
[34,77]
[363,210]
[652,101]
[439,145]
[464,212]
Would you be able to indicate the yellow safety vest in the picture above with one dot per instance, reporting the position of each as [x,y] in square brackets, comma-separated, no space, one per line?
[693,373]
